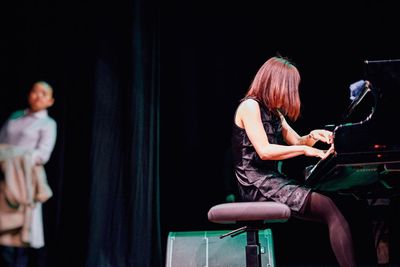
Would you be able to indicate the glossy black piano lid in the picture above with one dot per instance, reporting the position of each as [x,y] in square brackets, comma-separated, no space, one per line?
[381,130]
[385,78]
[364,147]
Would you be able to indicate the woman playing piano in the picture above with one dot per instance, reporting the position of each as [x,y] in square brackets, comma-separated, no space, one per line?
[262,137]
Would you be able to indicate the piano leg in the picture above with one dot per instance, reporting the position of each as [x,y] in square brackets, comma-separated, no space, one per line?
[381,236]
[380,226]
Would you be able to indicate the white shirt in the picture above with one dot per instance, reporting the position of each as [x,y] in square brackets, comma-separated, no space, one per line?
[37,132]
[34,131]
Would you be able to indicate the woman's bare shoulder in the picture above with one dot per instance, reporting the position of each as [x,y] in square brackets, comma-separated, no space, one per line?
[249,105]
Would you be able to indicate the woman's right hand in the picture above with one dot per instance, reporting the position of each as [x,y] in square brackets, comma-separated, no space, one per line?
[329,151]
[314,152]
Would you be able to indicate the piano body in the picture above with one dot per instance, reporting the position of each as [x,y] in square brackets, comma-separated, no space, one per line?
[366,160]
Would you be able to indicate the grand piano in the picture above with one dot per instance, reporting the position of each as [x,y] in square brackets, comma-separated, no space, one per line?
[366,160]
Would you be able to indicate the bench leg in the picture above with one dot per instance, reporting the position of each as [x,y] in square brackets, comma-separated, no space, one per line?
[253,257]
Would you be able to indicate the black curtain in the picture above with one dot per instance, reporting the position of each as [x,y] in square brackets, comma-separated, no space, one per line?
[103,62]
[124,191]
[211,52]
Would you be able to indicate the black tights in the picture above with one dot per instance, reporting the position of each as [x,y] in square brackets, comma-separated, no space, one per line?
[322,209]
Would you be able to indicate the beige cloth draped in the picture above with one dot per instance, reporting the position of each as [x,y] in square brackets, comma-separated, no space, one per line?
[24,186]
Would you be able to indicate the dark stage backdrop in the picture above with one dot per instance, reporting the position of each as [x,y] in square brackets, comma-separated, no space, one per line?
[210,53]
[145,95]
[103,62]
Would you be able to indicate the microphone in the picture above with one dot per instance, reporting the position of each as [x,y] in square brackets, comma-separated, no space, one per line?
[381,61]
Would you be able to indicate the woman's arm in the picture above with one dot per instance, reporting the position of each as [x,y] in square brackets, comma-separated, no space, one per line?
[292,138]
[249,118]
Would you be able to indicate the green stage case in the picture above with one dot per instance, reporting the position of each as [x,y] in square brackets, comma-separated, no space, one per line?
[206,249]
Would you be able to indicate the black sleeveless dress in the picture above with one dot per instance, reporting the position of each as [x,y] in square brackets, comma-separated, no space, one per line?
[261,180]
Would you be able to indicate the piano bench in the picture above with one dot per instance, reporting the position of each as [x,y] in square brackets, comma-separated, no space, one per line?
[253,216]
